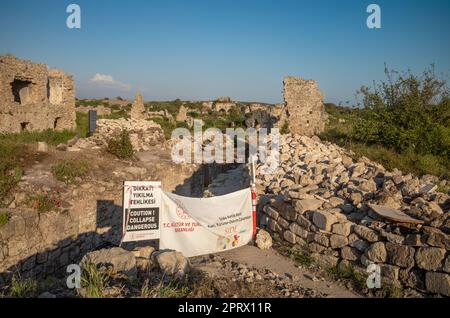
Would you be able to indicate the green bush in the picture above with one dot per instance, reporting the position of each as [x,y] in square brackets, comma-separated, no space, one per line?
[193,114]
[68,170]
[284,129]
[404,123]
[121,146]
[406,113]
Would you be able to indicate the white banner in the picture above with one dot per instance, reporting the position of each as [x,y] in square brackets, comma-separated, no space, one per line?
[198,226]
[141,210]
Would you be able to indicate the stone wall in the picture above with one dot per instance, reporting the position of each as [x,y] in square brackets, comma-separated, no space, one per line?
[143,133]
[304,106]
[37,245]
[34,98]
[90,217]
[320,199]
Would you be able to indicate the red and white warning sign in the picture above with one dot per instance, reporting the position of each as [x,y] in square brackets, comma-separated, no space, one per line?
[141,210]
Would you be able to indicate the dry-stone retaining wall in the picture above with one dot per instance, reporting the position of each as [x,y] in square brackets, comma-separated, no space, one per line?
[44,244]
[323,200]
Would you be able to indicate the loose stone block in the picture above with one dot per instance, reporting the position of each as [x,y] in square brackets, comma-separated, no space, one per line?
[324,220]
[338,241]
[438,283]
[429,258]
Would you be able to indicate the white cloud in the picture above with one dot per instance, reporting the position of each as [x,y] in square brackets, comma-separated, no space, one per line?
[108,81]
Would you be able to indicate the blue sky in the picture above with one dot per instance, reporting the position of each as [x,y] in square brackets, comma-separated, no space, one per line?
[202,49]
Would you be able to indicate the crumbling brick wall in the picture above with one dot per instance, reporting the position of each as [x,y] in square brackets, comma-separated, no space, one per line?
[34,98]
[304,106]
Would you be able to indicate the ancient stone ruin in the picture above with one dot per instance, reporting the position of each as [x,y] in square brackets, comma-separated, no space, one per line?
[34,98]
[304,106]
[138,108]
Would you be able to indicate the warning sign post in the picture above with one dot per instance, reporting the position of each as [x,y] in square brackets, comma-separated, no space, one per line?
[141,210]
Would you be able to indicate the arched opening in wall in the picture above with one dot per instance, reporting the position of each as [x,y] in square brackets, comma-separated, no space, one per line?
[56,123]
[54,91]
[24,126]
[21,91]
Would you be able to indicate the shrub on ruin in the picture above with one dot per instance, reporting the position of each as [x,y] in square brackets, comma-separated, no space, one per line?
[43,203]
[284,129]
[4,218]
[121,146]
[68,171]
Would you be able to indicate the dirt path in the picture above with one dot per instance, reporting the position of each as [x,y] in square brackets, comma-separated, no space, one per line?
[272,260]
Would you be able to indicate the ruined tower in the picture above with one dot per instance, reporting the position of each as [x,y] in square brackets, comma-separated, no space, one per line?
[34,98]
[304,108]
[138,108]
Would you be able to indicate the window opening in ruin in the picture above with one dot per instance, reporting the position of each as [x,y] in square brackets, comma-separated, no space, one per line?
[24,126]
[56,122]
[21,91]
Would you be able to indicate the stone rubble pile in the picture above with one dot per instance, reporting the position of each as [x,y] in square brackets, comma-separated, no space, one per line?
[284,284]
[320,198]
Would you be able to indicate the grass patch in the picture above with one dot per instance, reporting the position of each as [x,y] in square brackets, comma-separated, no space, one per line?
[49,136]
[349,273]
[90,103]
[443,188]
[121,146]
[23,288]
[95,281]
[392,291]
[68,170]
[166,124]
[301,256]
[122,113]
[43,203]
[10,176]
[4,218]
[172,290]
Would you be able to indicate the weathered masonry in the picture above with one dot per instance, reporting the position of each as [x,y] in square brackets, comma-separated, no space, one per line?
[304,106]
[34,98]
